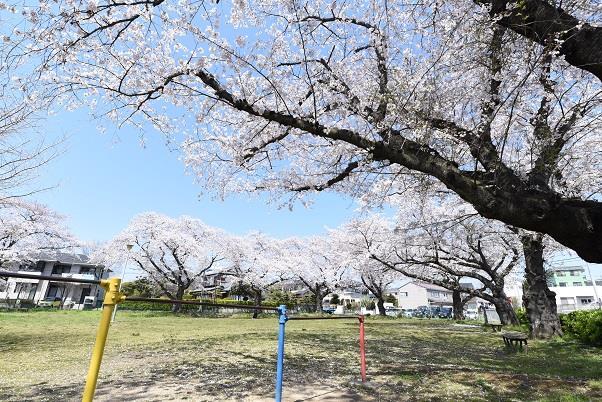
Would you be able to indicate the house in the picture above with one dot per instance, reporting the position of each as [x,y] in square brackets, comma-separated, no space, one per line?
[349,296]
[413,294]
[296,287]
[568,276]
[70,295]
[571,298]
[214,283]
[574,289]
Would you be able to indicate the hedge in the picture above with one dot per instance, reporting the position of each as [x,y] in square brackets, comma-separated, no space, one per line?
[149,306]
[585,325]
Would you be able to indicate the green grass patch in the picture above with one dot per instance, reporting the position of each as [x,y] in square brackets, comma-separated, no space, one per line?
[44,356]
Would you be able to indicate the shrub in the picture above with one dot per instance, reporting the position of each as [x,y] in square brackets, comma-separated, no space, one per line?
[521,314]
[584,325]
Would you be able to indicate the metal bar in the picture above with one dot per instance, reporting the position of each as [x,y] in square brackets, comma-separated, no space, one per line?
[282,318]
[8,274]
[196,303]
[362,349]
[112,297]
[323,318]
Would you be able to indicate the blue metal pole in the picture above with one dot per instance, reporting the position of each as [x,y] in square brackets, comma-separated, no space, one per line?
[282,318]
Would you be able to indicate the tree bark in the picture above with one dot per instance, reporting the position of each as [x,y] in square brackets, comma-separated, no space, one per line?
[579,42]
[176,307]
[381,306]
[505,310]
[458,305]
[257,303]
[539,300]
[318,304]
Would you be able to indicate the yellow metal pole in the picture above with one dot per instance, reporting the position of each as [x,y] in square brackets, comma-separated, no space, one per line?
[112,297]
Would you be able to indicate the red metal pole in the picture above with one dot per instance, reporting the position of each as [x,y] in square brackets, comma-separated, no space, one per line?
[362,348]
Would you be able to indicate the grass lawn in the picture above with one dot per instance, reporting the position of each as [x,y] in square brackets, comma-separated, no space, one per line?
[157,356]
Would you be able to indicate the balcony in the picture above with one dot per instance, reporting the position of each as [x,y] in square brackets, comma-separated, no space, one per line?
[87,277]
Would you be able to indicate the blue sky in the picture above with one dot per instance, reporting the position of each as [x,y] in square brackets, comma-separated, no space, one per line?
[103,180]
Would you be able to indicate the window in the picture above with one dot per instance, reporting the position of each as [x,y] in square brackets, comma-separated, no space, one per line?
[585,300]
[61,269]
[588,283]
[575,273]
[55,291]
[598,282]
[567,300]
[562,284]
[403,294]
[577,284]
[560,273]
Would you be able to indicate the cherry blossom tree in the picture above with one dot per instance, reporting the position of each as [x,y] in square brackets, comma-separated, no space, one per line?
[258,263]
[538,299]
[499,101]
[377,279]
[173,252]
[28,229]
[438,246]
[316,262]
[355,240]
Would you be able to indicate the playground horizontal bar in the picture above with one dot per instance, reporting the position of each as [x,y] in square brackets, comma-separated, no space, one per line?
[8,274]
[342,317]
[196,303]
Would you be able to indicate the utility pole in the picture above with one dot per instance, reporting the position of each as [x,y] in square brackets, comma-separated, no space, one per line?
[591,278]
[129,247]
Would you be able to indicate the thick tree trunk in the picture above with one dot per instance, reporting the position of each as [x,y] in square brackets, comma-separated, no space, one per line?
[483,310]
[381,306]
[257,304]
[458,305]
[504,309]
[318,304]
[176,307]
[539,300]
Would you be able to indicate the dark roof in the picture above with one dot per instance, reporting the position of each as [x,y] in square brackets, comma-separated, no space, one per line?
[430,286]
[66,258]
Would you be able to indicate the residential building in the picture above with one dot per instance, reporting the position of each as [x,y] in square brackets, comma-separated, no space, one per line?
[348,296]
[568,276]
[70,295]
[413,294]
[214,283]
[571,298]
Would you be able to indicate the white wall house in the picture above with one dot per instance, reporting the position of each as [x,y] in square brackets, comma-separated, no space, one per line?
[349,296]
[71,295]
[415,293]
[571,298]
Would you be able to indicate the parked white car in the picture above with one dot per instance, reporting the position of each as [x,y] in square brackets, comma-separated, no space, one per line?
[393,311]
[471,314]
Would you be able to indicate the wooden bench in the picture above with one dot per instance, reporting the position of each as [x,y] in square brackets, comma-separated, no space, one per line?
[514,339]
